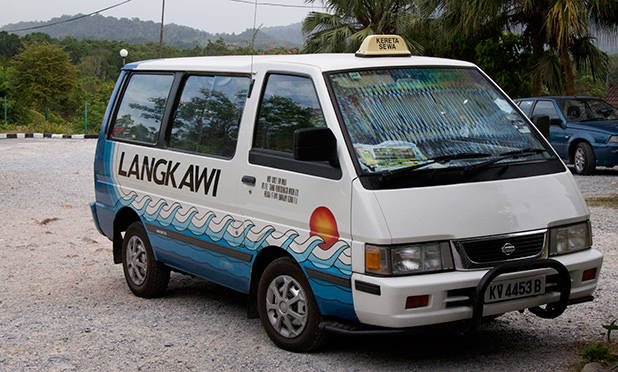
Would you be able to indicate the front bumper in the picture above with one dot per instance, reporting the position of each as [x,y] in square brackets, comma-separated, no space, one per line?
[606,155]
[451,293]
[95,218]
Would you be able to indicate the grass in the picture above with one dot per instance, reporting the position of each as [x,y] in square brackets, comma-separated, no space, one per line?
[598,353]
[603,201]
[45,127]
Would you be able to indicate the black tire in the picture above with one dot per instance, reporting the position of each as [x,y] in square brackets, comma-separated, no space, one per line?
[149,279]
[583,159]
[311,335]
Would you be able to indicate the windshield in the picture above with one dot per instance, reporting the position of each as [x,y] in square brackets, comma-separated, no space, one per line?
[587,109]
[436,117]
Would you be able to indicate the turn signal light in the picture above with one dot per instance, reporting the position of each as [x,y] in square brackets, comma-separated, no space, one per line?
[589,274]
[373,259]
[417,301]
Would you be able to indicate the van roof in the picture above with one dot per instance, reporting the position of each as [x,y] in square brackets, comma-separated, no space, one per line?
[323,62]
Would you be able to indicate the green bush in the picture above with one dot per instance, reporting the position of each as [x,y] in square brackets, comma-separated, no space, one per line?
[598,353]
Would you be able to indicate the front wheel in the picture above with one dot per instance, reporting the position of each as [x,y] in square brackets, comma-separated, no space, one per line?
[583,159]
[287,308]
[145,276]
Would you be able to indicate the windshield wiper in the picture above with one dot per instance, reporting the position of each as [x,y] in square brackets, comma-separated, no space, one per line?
[439,159]
[505,155]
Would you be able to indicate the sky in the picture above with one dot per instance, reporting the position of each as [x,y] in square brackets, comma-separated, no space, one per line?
[208,15]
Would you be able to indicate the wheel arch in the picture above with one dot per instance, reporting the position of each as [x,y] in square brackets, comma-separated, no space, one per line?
[573,145]
[124,217]
[264,257]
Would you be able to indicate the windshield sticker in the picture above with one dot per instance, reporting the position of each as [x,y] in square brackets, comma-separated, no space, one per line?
[387,155]
[521,126]
[276,188]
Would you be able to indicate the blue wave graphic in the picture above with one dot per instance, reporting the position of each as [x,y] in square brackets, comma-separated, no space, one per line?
[198,250]
[168,221]
[200,230]
[183,226]
[223,236]
[331,293]
[210,266]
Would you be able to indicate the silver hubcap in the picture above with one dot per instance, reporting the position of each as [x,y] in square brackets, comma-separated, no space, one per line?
[580,159]
[286,306]
[136,260]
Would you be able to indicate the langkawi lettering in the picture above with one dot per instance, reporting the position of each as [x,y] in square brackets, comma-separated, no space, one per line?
[163,172]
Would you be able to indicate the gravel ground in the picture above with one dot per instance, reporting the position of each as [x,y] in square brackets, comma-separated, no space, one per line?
[65,306]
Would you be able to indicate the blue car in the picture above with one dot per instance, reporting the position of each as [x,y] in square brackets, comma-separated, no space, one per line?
[583,130]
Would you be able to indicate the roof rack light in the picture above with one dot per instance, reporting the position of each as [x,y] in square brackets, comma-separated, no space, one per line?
[383,46]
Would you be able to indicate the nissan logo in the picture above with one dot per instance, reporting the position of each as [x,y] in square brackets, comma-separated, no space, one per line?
[508,249]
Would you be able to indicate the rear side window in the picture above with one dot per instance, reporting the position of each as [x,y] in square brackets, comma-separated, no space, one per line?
[289,103]
[546,108]
[208,115]
[141,110]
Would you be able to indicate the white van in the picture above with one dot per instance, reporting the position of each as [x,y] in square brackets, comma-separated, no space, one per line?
[348,193]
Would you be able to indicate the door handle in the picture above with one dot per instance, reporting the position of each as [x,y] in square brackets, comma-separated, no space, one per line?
[248,180]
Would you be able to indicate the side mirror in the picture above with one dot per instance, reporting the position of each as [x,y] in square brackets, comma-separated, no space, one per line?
[541,122]
[315,144]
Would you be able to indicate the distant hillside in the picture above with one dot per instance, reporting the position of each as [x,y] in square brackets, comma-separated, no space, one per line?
[291,33]
[136,31]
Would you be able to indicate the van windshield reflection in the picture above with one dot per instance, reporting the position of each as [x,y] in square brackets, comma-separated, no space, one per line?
[407,117]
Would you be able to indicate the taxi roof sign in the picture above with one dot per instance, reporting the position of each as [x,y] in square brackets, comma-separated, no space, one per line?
[383,46]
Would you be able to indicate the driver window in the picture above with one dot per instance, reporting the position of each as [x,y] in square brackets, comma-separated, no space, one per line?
[289,103]
[546,108]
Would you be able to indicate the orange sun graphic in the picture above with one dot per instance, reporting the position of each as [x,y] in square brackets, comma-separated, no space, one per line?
[323,223]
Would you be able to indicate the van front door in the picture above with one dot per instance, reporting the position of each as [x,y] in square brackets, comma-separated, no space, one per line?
[302,207]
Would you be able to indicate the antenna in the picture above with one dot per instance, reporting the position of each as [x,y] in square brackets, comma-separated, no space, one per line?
[254,34]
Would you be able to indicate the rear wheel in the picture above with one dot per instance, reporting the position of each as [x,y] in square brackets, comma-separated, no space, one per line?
[287,308]
[145,276]
[583,159]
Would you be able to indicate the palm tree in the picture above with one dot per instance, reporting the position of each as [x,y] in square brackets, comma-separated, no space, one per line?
[568,27]
[563,25]
[524,16]
[348,22]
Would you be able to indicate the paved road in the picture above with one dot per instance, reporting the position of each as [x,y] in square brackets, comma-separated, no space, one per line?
[65,306]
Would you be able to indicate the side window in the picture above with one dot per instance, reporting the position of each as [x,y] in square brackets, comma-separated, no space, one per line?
[208,115]
[546,108]
[140,113]
[289,103]
[525,106]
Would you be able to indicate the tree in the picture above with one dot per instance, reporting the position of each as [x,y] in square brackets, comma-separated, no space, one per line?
[568,25]
[351,21]
[37,37]
[505,63]
[4,81]
[208,123]
[467,17]
[612,75]
[279,118]
[43,74]
[9,44]
[554,23]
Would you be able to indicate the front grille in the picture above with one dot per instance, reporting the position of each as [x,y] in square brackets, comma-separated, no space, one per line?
[491,249]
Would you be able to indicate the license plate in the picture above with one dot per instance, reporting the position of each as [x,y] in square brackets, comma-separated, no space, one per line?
[514,288]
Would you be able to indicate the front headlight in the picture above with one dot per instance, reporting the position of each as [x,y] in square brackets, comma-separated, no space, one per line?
[571,238]
[408,259]
[613,139]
